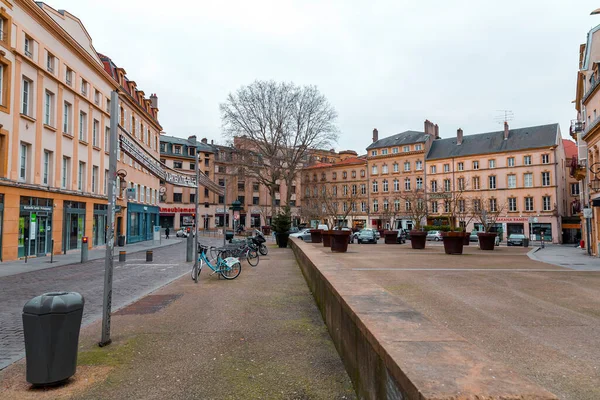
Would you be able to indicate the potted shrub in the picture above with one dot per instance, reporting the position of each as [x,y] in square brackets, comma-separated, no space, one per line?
[339,240]
[487,211]
[417,210]
[281,226]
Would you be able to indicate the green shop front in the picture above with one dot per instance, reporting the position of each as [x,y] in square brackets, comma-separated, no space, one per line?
[35,226]
[141,220]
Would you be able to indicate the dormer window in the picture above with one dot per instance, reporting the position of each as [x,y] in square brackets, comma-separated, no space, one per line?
[373,152]
[177,149]
[384,152]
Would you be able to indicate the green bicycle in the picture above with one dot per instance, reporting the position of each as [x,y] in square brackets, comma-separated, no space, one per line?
[229,267]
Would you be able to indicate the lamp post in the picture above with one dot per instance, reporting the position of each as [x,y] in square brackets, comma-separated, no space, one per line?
[196,216]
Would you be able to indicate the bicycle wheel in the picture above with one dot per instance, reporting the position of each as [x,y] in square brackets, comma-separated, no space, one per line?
[231,272]
[263,249]
[252,257]
[196,271]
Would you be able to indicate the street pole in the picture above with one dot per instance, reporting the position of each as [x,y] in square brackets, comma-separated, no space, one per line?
[225,214]
[196,218]
[110,238]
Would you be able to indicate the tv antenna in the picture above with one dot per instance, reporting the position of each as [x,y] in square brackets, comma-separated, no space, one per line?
[504,116]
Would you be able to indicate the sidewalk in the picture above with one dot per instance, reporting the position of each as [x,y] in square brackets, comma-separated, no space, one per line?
[566,256]
[8,268]
[258,336]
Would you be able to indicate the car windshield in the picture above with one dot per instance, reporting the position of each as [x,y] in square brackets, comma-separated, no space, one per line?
[366,233]
[433,232]
[517,237]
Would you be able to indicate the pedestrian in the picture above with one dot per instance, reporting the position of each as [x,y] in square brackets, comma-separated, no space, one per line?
[167,232]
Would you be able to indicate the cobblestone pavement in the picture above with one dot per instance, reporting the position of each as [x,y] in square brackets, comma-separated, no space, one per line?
[132,280]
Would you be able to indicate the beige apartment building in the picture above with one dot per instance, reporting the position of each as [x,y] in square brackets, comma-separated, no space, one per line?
[139,131]
[334,189]
[520,171]
[53,155]
[54,138]
[396,165]
[177,203]
[586,131]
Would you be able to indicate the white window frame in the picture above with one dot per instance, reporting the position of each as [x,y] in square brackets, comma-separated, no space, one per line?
[81,176]
[419,165]
[419,183]
[528,182]
[491,163]
[475,165]
[95,172]
[83,126]
[48,108]
[46,168]
[546,203]
[23,161]
[529,203]
[65,172]
[418,147]
[67,117]
[545,158]
[405,149]
[526,160]
[512,181]
[26,94]
[512,204]
[406,166]
[546,181]
[384,169]
[407,184]
[510,161]
[492,184]
[461,166]
[374,170]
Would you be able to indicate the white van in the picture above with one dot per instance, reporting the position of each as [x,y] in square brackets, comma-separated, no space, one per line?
[323,227]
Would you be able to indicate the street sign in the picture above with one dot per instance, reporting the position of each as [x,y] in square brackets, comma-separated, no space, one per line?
[587,213]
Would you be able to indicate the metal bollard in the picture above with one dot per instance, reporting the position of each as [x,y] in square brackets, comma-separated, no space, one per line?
[189,256]
[148,255]
[84,249]
[122,255]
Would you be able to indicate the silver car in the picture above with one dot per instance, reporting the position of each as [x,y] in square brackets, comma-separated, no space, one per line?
[434,235]
[304,234]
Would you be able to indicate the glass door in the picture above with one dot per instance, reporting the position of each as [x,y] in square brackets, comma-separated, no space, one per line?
[21,237]
[73,231]
[41,241]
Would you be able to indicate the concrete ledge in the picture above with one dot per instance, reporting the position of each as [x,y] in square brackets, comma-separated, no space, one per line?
[392,351]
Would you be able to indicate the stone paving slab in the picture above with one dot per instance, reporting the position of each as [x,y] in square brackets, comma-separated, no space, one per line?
[426,357]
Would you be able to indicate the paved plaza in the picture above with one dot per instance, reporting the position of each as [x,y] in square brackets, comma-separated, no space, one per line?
[258,336]
[132,280]
[540,320]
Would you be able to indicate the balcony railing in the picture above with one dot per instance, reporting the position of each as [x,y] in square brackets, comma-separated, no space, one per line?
[590,126]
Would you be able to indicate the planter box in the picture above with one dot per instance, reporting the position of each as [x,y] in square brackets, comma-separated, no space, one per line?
[453,242]
[282,240]
[487,241]
[418,239]
[316,235]
[391,237]
[339,241]
[326,238]
[466,239]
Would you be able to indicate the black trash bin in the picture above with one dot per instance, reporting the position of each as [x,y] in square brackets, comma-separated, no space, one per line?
[51,324]
[229,235]
[121,241]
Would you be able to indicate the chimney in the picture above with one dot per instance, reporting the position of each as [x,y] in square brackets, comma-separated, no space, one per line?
[204,141]
[212,141]
[459,136]
[505,130]
[154,100]
[192,139]
[375,135]
[437,131]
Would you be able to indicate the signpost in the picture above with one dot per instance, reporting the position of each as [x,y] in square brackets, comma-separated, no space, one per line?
[196,220]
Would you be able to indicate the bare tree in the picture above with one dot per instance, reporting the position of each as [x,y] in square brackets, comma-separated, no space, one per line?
[338,208]
[487,210]
[277,125]
[416,206]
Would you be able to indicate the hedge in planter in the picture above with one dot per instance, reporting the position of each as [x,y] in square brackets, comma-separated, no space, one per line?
[281,226]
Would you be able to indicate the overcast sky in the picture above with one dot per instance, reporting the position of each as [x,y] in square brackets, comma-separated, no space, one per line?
[382,64]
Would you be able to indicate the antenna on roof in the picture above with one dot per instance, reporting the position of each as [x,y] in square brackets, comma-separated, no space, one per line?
[505,116]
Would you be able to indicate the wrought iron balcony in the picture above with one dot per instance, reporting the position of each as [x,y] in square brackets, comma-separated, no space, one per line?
[594,82]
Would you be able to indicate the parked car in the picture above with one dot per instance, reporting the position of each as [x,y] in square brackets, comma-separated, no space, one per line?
[434,235]
[323,227]
[301,233]
[515,239]
[375,232]
[183,232]
[473,237]
[294,229]
[367,236]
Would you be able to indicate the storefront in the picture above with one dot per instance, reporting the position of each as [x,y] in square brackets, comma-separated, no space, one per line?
[141,220]
[35,227]
[222,218]
[176,217]
[255,220]
[73,224]
[571,230]
[99,224]
[1,219]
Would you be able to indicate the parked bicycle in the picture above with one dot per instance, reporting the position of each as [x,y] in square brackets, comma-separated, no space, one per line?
[228,267]
[243,249]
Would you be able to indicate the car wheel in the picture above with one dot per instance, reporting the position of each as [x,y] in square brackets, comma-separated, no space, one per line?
[437,239]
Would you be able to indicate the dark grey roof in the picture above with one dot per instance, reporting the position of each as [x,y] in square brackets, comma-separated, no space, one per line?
[493,142]
[177,140]
[399,139]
